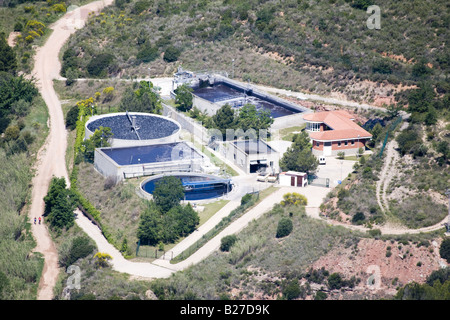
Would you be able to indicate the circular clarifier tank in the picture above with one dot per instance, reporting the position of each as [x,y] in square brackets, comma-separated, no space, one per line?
[196,186]
[135,128]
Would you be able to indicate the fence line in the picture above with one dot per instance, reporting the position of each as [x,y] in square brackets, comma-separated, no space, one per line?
[390,129]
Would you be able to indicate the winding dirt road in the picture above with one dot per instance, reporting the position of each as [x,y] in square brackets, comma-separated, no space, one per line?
[51,157]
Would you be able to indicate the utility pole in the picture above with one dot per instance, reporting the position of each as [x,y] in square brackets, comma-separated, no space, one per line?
[232,73]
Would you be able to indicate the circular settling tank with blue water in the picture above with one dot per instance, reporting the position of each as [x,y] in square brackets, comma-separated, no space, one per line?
[196,186]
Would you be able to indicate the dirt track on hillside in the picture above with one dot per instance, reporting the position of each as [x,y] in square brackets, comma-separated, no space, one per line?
[51,158]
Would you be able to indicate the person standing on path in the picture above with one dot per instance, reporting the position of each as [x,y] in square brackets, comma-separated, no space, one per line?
[39,220]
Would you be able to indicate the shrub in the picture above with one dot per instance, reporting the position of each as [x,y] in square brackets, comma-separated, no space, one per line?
[72,117]
[80,248]
[102,259]
[284,227]
[358,217]
[227,242]
[320,295]
[292,290]
[444,250]
[335,281]
[294,199]
[375,232]
[98,66]
[147,53]
[171,54]
[108,93]
[246,198]
[12,133]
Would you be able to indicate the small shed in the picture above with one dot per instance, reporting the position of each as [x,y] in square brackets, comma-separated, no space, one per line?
[293,178]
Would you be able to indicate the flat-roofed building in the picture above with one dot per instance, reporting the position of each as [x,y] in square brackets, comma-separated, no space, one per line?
[252,155]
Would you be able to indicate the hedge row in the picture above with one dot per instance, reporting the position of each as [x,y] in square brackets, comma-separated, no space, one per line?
[84,205]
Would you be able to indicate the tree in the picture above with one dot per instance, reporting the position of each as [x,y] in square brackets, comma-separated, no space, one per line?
[72,118]
[224,119]
[12,90]
[442,147]
[60,203]
[299,156]
[444,250]
[108,93]
[8,61]
[168,193]
[361,4]
[144,99]
[250,117]
[150,225]
[284,227]
[335,281]
[183,99]
[69,62]
[158,226]
[376,131]
[71,76]
[188,220]
[393,111]
[101,138]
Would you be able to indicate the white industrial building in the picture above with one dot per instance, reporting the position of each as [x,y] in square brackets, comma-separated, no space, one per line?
[252,155]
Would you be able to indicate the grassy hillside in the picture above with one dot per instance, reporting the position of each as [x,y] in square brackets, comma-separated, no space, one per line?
[19,268]
[322,46]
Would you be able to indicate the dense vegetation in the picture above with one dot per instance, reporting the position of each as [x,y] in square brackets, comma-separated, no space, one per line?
[30,20]
[22,128]
[235,271]
[436,287]
[60,203]
[165,219]
[323,46]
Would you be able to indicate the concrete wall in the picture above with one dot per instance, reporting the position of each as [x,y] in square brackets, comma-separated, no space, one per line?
[235,155]
[109,168]
[188,124]
[241,159]
[293,120]
[106,166]
[204,105]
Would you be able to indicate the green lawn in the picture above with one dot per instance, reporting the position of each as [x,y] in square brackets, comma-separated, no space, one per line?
[287,134]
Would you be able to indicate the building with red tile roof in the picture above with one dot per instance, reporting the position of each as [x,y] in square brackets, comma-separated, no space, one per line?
[335,131]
